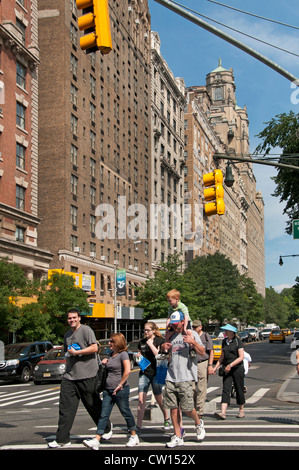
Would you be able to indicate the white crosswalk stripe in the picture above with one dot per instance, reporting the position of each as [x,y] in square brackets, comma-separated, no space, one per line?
[230,434]
[26,397]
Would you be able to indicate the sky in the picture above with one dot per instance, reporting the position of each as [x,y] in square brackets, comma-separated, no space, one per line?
[192,52]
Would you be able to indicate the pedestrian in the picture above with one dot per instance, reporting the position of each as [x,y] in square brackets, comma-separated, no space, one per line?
[117,391]
[181,377]
[297,358]
[80,379]
[173,298]
[148,348]
[232,367]
[204,367]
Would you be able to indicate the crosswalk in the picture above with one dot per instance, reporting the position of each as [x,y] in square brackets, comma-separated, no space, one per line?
[27,397]
[262,428]
[260,432]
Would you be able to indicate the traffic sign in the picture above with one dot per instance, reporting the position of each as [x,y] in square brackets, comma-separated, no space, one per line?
[296,229]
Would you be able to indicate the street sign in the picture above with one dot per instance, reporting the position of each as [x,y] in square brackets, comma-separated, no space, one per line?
[296,229]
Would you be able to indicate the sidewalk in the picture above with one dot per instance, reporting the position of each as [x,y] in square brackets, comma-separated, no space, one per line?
[290,389]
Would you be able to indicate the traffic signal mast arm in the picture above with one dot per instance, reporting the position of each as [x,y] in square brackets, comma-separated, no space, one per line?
[96,22]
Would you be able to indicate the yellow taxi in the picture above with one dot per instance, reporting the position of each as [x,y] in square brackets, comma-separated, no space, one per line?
[217,347]
[286,331]
[277,335]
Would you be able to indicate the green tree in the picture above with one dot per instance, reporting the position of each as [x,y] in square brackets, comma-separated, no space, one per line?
[282,132]
[296,291]
[214,287]
[151,296]
[275,308]
[58,294]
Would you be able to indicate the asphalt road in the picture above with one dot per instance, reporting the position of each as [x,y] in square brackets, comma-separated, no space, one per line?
[29,414]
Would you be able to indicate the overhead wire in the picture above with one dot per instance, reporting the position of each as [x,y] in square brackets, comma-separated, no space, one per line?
[236,30]
[253,14]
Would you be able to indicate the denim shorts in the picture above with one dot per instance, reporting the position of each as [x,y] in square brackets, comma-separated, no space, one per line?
[144,383]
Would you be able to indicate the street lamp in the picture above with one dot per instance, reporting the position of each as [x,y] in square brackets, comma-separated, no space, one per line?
[285,256]
[115,289]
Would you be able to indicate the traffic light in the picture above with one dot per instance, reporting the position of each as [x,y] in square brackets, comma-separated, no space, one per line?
[95,22]
[214,193]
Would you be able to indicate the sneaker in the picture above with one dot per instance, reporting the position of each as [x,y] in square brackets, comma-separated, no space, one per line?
[107,435]
[175,441]
[55,444]
[92,443]
[167,425]
[133,441]
[200,431]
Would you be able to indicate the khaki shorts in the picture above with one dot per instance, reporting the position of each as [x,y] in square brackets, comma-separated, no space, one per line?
[179,394]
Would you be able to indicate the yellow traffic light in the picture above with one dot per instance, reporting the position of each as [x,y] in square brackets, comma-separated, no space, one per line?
[214,193]
[95,21]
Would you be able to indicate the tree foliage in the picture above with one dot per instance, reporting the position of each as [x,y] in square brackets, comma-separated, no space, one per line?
[44,319]
[282,131]
[211,287]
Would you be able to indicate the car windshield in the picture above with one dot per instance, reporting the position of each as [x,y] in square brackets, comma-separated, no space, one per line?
[276,332]
[54,354]
[217,342]
[13,351]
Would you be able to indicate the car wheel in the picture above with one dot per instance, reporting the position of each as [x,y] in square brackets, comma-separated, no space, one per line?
[25,377]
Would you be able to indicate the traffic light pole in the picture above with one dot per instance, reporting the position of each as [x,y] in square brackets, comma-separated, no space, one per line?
[251,160]
[189,16]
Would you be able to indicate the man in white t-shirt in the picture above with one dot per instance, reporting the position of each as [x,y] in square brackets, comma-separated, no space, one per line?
[181,377]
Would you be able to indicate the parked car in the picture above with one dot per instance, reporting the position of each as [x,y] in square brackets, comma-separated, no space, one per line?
[295,340]
[265,333]
[20,359]
[133,349]
[51,368]
[105,351]
[277,335]
[217,347]
[245,336]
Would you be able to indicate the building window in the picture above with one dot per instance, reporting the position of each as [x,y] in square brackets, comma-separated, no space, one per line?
[74,242]
[74,215]
[21,110]
[74,184]
[21,75]
[20,197]
[20,157]
[218,94]
[20,234]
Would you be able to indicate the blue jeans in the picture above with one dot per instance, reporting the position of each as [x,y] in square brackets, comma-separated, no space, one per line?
[122,400]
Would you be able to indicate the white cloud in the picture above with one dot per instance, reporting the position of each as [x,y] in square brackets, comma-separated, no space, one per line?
[280,287]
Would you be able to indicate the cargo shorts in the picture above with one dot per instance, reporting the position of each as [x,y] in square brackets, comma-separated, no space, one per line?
[177,394]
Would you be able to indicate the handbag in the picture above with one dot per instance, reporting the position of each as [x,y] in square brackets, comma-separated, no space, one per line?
[102,374]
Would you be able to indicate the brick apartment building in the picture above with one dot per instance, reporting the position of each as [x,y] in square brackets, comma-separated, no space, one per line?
[19,59]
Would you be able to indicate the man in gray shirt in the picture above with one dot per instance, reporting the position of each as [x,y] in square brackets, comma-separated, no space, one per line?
[80,379]
[181,377]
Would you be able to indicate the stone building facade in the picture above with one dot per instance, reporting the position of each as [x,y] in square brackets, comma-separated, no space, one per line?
[239,233]
[167,162]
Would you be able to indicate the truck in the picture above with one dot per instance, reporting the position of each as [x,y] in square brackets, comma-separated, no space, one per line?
[161,324]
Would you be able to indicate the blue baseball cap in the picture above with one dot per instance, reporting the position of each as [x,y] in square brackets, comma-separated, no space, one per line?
[176,317]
